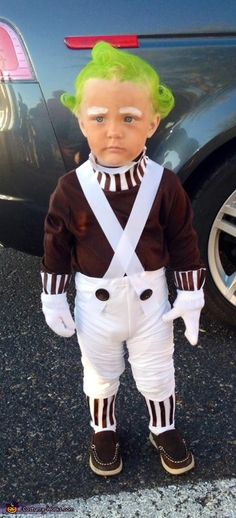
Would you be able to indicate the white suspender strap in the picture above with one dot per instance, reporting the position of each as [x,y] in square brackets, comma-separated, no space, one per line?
[101,207]
[123,241]
[136,222]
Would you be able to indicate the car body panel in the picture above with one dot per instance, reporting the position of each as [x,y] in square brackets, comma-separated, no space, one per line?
[199,134]
[30,165]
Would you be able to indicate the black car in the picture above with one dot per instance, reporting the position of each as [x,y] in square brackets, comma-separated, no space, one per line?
[43,45]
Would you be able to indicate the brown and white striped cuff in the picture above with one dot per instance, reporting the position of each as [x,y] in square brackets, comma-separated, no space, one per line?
[55,283]
[190,280]
[102,412]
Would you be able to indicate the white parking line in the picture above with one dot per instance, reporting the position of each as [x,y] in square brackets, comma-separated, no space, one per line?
[215,499]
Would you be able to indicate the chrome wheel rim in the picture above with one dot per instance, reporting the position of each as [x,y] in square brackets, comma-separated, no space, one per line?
[223,229]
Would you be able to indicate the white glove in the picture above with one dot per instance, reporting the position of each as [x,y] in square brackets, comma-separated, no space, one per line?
[57,314]
[187,305]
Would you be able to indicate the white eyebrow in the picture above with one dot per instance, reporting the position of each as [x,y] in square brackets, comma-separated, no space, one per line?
[131,110]
[97,110]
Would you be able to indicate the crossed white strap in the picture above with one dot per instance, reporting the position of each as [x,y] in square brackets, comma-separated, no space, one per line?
[123,241]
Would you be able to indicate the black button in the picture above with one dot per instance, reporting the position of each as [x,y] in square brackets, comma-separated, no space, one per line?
[146,294]
[102,294]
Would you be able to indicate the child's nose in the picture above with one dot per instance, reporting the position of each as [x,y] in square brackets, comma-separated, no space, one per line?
[114,130]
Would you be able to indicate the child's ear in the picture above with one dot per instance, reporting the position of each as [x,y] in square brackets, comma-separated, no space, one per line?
[154,123]
[81,125]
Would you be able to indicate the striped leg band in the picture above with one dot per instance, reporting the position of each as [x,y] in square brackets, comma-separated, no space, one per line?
[102,413]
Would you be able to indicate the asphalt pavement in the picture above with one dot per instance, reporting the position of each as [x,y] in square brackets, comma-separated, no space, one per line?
[45,431]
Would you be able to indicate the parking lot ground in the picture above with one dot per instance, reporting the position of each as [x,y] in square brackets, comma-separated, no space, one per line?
[45,425]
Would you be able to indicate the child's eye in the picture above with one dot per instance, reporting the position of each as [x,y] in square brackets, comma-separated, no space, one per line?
[100,118]
[128,118]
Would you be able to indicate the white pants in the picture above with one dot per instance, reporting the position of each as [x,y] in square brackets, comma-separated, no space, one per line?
[104,326]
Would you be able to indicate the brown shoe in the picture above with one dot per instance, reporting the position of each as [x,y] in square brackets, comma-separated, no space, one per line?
[105,459]
[175,457]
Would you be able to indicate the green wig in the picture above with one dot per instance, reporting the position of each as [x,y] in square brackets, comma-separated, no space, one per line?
[110,63]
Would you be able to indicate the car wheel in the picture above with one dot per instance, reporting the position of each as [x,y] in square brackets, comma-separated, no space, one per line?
[215,221]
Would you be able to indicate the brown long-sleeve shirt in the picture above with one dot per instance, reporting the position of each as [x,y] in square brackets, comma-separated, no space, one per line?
[74,240]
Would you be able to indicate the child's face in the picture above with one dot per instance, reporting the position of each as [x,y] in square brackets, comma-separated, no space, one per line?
[116,118]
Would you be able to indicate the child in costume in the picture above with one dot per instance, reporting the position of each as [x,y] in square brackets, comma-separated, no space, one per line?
[118,221]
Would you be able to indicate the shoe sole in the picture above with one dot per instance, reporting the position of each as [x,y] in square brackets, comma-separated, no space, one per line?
[104,473]
[173,471]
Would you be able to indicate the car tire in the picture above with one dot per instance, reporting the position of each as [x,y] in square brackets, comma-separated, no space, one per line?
[214,208]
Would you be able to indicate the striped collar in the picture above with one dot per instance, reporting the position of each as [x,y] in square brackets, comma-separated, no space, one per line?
[120,178]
